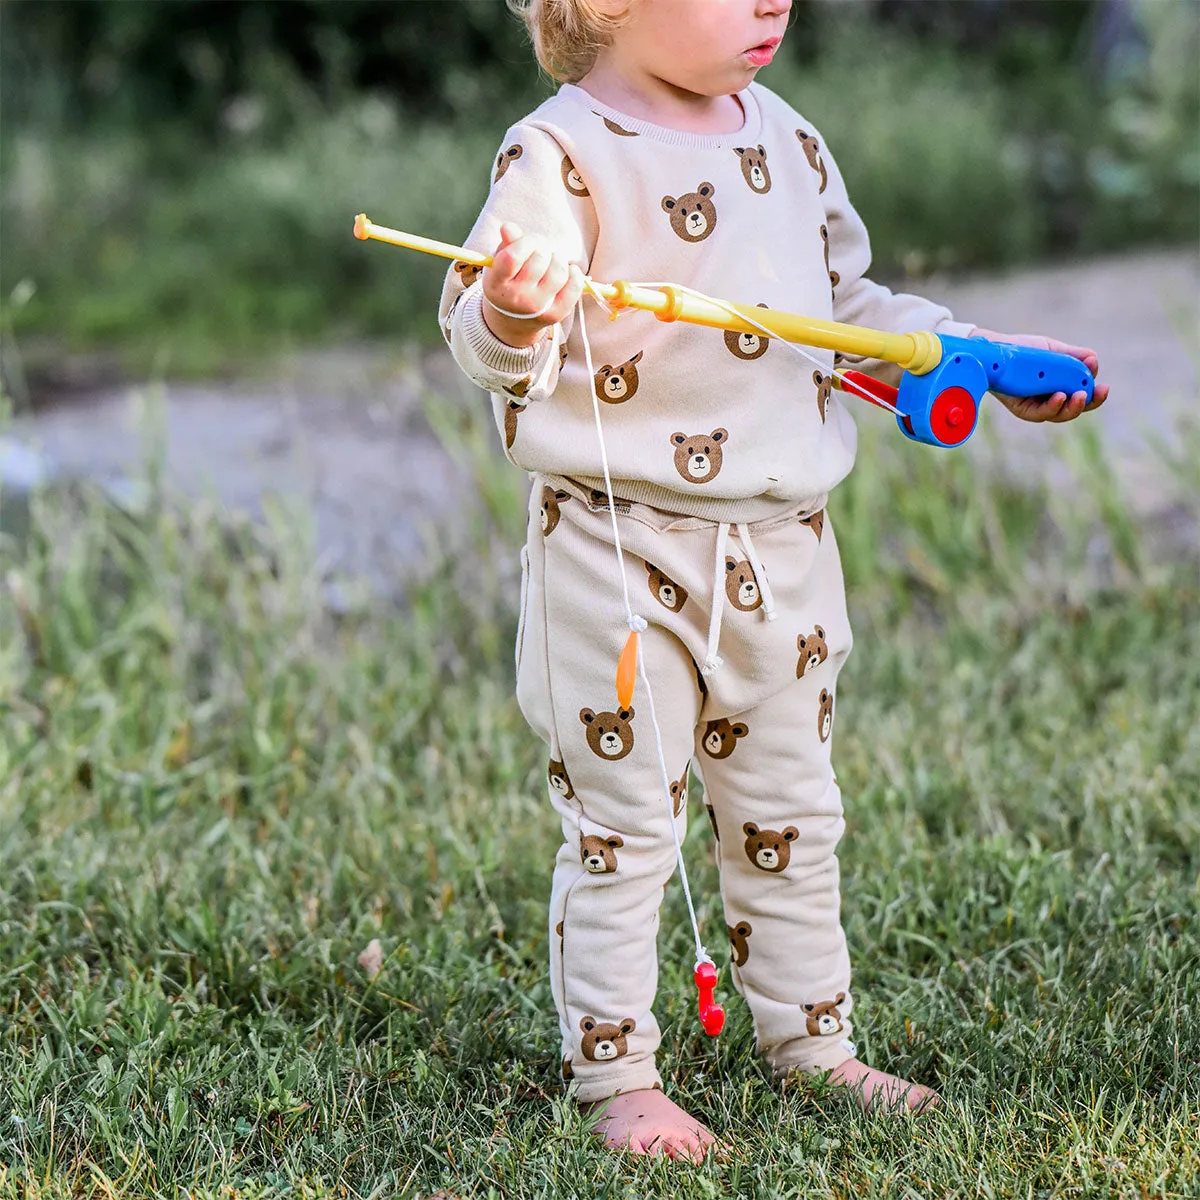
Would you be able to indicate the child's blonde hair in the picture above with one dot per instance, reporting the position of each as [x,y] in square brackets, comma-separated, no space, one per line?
[568,34]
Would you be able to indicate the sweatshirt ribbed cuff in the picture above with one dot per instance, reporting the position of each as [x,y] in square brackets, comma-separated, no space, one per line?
[491,352]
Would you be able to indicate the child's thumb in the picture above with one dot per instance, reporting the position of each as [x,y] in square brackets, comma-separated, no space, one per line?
[509,232]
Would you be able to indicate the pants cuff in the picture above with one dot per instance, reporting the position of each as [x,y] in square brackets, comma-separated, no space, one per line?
[814,1056]
[612,1083]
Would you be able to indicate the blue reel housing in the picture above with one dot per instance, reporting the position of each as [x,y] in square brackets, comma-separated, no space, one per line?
[941,408]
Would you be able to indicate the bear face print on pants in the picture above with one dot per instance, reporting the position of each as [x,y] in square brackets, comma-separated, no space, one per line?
[747,346]
[698,458]
[559,780]
[567,1073]
[505,159]
[813,650]
[665,590]
[550,512]
[604,1041]
[609,733]
[823,1018]
[679,793]
[769,849]
[512,410]
[614,385]
[720,737]
[754,168]
[815,522]
[468,272]
[738,944]
[599,854]
[693,215]
[571,178]
[740,585]
[812,151]
[824,392]
[825,715]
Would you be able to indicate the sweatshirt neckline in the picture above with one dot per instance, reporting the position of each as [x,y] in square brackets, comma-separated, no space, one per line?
[748,134]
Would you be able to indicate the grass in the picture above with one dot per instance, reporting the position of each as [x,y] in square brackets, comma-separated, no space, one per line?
[214,794]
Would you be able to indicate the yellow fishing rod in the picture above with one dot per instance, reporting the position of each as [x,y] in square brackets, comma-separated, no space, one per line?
[944,378]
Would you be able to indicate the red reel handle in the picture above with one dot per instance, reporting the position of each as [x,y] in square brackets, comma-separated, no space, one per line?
[712,1015]
[874,389]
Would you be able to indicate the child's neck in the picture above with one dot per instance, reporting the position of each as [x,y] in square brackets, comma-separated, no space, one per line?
[650,98]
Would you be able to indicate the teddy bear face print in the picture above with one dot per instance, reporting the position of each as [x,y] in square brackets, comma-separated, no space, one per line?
[769,849]
[609,734]
[604,1040]
[548,510]
[619,383]
[698,457]
[754,167]
[665,590]
[814,650]
[740,585]
[571,178]
[825,1017]
[599,854]
[693,215]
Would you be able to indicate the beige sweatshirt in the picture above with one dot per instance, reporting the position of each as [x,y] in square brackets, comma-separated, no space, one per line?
[697,421]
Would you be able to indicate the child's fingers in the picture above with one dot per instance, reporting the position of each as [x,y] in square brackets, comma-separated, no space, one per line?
[510,231]
[568,296]
[537,260]
[508,262]
[557,274]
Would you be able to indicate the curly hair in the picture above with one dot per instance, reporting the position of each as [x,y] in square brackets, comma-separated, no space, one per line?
[568,34]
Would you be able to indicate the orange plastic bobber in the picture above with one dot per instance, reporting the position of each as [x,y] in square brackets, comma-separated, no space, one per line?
[627,670]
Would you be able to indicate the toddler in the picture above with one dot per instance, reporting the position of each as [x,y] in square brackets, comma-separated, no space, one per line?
[659,158]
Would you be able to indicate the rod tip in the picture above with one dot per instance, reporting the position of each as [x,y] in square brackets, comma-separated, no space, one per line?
[360,227]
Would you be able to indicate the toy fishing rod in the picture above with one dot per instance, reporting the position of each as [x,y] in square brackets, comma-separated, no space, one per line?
[944,378]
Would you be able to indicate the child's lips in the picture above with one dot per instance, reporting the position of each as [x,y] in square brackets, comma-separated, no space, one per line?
[762,54]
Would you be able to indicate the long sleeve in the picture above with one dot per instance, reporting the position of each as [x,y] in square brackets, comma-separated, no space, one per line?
[857,300]
[533,185]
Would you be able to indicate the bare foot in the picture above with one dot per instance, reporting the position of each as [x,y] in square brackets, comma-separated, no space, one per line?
[878,1089]
[647,1122]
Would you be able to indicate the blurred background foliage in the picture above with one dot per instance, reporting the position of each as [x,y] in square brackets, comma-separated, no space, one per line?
[178,180]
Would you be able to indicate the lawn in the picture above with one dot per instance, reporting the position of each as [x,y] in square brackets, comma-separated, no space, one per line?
[214,793]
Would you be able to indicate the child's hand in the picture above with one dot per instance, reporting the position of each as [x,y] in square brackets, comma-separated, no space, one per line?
[525,277]
[1058,407]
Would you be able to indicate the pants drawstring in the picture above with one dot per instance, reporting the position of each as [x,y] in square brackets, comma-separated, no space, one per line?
[764,588]
[711,659]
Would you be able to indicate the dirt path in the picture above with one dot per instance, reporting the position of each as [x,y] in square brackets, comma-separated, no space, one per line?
[344,435]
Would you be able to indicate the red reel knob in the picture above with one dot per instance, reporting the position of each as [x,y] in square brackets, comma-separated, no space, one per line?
[952,416]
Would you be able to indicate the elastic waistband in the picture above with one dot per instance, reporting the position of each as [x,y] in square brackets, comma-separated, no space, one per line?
[758,513]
